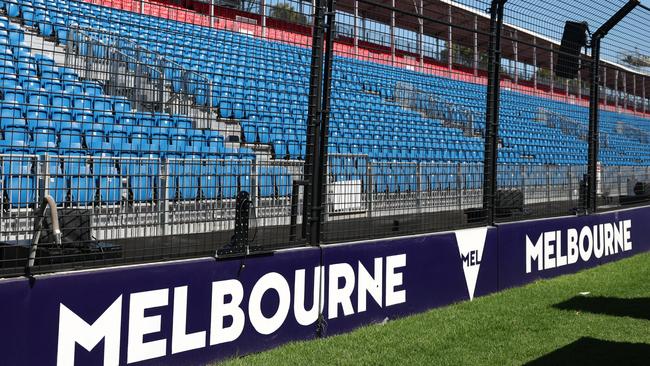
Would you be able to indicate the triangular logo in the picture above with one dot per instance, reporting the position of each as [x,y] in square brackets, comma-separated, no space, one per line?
[470,246]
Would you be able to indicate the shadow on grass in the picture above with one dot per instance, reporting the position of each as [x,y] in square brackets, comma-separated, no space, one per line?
[635,308]
[591,351]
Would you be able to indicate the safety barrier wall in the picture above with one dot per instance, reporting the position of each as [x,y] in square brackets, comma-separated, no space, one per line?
[192,312]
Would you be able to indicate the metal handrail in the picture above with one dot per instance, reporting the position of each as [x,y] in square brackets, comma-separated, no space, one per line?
[137,47]
[114,49]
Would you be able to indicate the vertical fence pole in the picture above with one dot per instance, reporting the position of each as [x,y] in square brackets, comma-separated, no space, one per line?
[460,186]
[634,95]
[371,186]
[551,67]
[313,116]
[645,102]
[620,182]
[492,110]
[616,91]
[579,92]
[320,193]
[263,17]
[606,98]
[392,34]
[570,182]
[548,183]
[421,34]
[476,53]
[625,93]
[450,48]
[593,124]
[534,63]
[212,13]
[594,97]
[318,118]
[355,31]
[515,50]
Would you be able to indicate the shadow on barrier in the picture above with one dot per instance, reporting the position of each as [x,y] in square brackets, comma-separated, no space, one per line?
[634,308]
[592,351]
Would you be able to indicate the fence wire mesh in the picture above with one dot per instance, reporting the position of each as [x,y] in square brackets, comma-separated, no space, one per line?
[176,129]
[407,120]
[544,116]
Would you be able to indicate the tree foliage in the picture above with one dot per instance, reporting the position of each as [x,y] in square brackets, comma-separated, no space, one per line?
[636,59]
[286,12]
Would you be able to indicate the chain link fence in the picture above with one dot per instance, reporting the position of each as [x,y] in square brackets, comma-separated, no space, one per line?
[136,131]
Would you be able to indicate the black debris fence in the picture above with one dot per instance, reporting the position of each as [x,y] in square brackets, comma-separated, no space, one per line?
[137,131]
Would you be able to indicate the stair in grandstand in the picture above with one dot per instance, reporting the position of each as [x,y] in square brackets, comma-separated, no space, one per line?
[573,127]
[171,211]
[95,57]
[143,91]
[117,62]
[566,125]
[408,96]
[137,86]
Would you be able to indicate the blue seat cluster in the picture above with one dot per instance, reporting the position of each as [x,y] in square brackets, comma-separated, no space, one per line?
[94,146]
[264,85]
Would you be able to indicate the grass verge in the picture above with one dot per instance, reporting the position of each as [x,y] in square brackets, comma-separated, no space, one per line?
[547,322]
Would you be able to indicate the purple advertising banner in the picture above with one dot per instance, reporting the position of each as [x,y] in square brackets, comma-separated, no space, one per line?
[196,311]
[537,249]
[193,312]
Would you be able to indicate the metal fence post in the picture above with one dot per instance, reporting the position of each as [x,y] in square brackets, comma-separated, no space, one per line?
[548,183]
[594,99]
[89,58]
[161,88]
[459,185]
[370,187]
[522,181]
[620,181]
[492,111]
[570,182]
[68,47]
[318,117]
[138,80]
[41,175]
[163,209]
[254,188]
[418,182]
[313,116]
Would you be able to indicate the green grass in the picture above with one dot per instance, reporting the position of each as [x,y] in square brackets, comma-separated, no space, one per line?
[509,328]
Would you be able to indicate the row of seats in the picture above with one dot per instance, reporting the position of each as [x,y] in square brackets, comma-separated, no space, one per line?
[101,179]
[95,148]
[264,85]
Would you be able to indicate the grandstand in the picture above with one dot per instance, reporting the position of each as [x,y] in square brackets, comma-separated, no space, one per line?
[184,181]
[151,123]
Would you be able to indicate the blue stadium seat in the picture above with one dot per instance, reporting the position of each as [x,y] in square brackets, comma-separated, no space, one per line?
[102,104]
[93,89]
[16,35]
[283,182]
[18,180]
[190,177]
[44,139]
[266,182]
[210,181]
[12,8]
[121,105]
[142,174]
[109,182]
[78,175]
[45,27]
